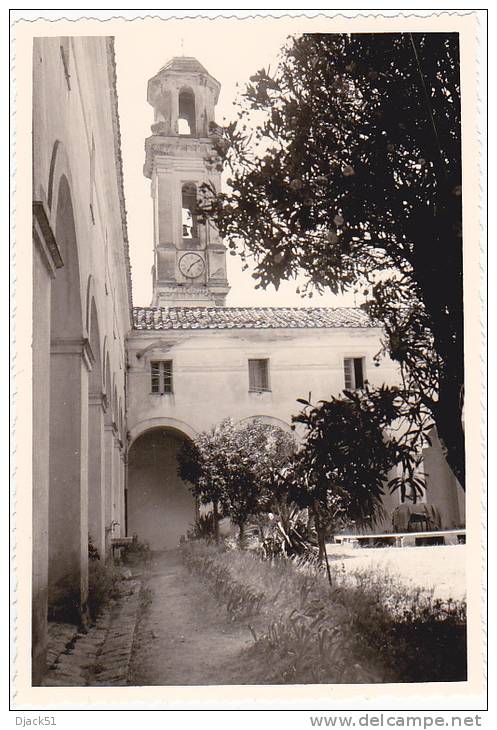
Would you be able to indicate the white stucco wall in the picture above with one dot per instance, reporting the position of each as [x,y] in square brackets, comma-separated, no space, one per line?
[81,314]
[67,122]
[210,371]
[210,382]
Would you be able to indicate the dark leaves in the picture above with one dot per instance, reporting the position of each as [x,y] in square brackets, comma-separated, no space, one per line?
[353,174]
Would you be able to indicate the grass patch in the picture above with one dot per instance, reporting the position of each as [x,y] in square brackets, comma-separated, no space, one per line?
[241,599]
[366,627]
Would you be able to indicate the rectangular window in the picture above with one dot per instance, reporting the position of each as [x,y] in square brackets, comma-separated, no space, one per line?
[162,376]
[258,375]
[353,369]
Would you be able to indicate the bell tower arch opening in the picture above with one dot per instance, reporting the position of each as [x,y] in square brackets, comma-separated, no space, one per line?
[186,112]
[161,507]
[189,211]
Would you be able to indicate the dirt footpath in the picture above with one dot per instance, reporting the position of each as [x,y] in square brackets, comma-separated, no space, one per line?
[183,636]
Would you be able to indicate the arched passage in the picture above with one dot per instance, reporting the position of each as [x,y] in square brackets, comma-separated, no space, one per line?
[161,507]
[70,361]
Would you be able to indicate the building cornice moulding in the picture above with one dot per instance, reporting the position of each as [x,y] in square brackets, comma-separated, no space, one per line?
[98,399]
[74,346]
[167,152]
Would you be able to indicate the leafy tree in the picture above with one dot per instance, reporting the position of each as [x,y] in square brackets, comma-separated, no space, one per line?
[234,467]
[197,465]
[352,176]
[341,470]
[272,449]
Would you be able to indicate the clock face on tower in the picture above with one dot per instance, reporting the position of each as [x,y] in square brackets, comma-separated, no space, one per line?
[191,265]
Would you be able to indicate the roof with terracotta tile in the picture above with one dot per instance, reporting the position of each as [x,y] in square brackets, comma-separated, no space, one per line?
[216,318]
[184,64]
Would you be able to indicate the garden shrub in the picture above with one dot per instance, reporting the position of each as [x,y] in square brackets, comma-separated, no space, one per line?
[204,528]
[137,553]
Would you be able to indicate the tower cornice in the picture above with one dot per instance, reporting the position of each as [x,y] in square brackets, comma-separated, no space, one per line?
[171,148]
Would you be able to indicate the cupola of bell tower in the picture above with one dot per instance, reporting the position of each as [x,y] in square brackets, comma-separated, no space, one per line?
[189,257]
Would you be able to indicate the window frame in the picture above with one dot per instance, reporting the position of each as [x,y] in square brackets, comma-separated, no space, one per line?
[354,359]
[265,386]
[165,377]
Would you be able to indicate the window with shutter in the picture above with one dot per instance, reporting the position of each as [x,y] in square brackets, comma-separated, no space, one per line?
[353,370]
[258,375]
[161,372]
[348,370]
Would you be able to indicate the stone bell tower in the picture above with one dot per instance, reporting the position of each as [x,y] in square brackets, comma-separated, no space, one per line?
[189,257]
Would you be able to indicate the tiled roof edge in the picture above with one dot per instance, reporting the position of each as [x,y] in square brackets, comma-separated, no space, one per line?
[155,313]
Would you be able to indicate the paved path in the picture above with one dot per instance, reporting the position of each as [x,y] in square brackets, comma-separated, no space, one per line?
[184,636]
[164,628]
[100,656]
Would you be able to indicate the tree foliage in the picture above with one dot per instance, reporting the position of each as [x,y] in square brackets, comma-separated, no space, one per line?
[352,443]
[235,467]
[352,175]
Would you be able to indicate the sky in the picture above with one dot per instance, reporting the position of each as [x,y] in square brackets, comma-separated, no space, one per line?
[229,53]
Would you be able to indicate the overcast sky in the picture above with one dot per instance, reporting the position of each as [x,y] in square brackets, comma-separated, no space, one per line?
[231,57]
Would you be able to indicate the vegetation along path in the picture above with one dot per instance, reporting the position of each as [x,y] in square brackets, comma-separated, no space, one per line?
[182,636]
[211,615]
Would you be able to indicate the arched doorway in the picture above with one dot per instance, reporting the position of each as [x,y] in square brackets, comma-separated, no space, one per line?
[161,507]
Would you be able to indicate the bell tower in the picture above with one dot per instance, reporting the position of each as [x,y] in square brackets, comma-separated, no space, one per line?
[189,257]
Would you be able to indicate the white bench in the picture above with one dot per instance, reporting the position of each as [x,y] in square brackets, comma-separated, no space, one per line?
[404,539]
